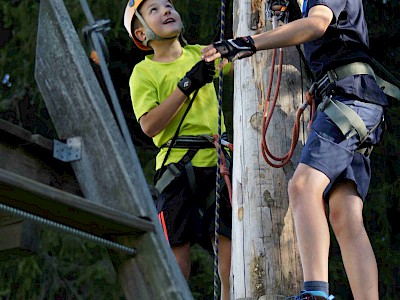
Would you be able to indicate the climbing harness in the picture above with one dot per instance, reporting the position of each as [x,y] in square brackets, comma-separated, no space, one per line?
[348,121]
[193,144]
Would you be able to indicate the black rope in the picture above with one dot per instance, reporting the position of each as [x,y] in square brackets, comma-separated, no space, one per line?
[177,133]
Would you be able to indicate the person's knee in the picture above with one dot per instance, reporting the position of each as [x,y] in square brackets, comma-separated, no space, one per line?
[182,255]
[344,225]
[295,189]
[224,260]
[224,270]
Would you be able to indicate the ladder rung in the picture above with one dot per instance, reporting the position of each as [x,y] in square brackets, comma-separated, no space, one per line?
[63,207]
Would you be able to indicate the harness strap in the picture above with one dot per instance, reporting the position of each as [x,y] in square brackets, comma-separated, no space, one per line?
[193,143]
[356,68]
[348,121]
[202,141]
[189,141]
[388,88]
[174,169]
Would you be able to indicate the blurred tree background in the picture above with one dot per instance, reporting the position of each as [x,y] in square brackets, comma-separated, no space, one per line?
[68,268]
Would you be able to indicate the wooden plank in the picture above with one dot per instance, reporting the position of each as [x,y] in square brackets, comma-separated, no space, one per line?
[18,239]
[25,135]
[108,172]
[31,155]
[57,205]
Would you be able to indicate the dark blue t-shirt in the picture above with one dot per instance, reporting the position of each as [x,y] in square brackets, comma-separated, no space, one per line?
[345,41]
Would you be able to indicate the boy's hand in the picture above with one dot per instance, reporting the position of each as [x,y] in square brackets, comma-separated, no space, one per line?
[233,49]
[200,74]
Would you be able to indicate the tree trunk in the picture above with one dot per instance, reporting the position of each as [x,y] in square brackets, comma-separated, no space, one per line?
[265,257]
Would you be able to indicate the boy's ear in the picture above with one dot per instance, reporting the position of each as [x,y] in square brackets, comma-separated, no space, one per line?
[140,34]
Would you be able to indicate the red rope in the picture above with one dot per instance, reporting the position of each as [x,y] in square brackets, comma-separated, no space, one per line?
[223,169]
[272,160]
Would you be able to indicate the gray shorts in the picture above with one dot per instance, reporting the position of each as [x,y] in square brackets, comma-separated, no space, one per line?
[328,151]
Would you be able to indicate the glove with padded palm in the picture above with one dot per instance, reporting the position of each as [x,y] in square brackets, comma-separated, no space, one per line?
[234,49]
[198,76]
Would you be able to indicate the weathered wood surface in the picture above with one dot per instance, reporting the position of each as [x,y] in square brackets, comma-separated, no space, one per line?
[107,173]
[31,155]
[18,237]
[33,181]
[266,260]
[65,208]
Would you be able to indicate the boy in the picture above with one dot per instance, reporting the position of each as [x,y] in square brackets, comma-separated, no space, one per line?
[335,39]
[175,103]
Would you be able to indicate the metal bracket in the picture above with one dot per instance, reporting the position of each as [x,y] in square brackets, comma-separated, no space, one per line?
[71,151]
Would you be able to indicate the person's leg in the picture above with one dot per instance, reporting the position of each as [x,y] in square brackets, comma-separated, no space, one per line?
[182,255]
[224,266]
[308,208]
[358,257]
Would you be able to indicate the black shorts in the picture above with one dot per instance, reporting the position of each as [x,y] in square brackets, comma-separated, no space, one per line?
[328,151]
[189,216]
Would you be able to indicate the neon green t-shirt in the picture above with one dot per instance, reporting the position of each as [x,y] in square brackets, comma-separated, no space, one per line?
[152,82]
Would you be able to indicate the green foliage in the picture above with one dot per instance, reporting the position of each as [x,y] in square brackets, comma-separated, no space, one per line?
[201,278]
[65,267]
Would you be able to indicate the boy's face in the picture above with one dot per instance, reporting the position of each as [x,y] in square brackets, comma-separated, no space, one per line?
[161,17]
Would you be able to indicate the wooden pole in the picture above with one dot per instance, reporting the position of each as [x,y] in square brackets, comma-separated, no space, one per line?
[265,259]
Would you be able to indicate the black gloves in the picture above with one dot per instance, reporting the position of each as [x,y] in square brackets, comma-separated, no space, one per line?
[200,74]
[238,48]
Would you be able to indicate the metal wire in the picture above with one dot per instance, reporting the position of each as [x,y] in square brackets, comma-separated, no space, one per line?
[67,229]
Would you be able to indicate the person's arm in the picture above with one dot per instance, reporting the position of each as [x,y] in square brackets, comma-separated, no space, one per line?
[158,118]
[296,32]
[293,33]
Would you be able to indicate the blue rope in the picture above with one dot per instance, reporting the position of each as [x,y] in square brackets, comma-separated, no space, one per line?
[218,185]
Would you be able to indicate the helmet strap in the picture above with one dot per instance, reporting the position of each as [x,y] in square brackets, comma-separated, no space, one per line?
[150,35]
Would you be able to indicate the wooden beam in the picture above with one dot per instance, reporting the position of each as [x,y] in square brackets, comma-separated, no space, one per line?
[31,155]
[18,238]
[62,207]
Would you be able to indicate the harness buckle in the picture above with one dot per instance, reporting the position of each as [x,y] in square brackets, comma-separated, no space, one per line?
[324,103]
